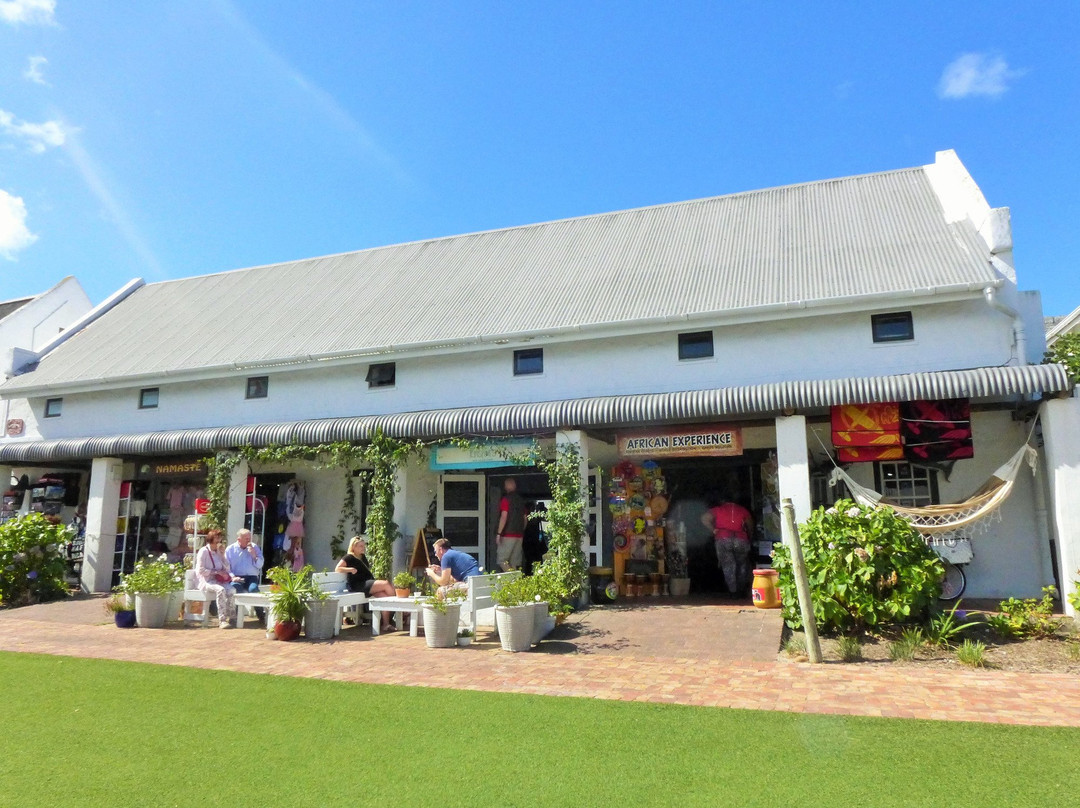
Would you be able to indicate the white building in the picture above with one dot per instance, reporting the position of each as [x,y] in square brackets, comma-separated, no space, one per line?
[757,312]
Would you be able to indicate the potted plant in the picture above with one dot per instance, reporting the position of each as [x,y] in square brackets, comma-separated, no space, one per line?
[404,581]
[464,637]
[322,614]
[442,614]
[514,614]
[290,599]
[153,583]
[119,605]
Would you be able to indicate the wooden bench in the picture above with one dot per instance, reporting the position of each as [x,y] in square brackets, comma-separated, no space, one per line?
[478,597]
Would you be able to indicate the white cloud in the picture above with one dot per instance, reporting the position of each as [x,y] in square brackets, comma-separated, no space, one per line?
[30,12]
[976,74]
[33,70]
[37,136]
[14,235]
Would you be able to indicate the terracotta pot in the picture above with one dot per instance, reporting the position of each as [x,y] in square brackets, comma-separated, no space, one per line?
[287,631]
[402,593]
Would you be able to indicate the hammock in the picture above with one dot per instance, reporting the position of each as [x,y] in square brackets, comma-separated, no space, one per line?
[941,521]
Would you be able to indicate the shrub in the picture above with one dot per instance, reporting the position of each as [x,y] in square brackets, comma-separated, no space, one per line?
[903,649]
[866,566]
[1028,618]
[972,653]
[850,649]
[32,564]
[1066,351]
[153,577]
[943,626]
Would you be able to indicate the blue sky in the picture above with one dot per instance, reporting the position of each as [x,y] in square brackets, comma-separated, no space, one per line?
[167,139]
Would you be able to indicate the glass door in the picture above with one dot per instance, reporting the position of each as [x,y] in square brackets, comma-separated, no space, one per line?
[462,503]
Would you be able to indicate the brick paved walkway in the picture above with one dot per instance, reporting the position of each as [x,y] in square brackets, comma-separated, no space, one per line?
[722,656]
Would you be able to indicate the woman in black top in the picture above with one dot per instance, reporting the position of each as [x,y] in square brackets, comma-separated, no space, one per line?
[362,579]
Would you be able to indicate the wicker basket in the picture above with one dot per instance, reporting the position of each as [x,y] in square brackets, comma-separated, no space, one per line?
[515,624]
[440,630]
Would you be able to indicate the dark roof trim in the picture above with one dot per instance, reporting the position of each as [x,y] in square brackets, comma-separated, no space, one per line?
[606,411]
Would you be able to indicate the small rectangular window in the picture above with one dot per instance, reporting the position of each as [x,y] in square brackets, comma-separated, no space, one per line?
[148,398]
[383,374]
[258,387]
[695,345]
[528,361]
[905,484]
[53,407]
[894,327]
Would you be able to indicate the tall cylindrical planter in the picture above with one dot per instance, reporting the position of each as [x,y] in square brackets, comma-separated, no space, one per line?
[515,624]
[151,610]
[440,630]
[319,620]
[176,603]
[540,613]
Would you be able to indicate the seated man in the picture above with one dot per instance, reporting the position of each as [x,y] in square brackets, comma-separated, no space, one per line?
[245,562]
[453,569]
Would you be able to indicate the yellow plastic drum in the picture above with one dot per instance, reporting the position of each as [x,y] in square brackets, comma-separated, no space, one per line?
[765,590]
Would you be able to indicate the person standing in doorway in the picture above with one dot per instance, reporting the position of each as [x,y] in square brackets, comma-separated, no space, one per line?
[511,527]
[732,526]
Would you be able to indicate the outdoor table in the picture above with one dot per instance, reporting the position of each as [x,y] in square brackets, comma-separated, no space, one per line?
[250,600]
[399,605]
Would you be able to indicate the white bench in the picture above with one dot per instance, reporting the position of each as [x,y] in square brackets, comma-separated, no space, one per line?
[478,597]
[336,584]
[194,595]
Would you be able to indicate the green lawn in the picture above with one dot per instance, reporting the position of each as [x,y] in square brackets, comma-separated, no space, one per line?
[85,732]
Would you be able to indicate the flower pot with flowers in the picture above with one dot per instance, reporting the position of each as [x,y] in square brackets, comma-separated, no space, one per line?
[290,596]
[464,637]
[152,583]
[120,606]
[404,582]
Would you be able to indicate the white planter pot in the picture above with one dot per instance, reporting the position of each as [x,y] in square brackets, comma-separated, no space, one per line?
[176,603]
[540,613]
[151,610]
[440,630]
[515,624]
[464,641]
[679,587]
[319,620]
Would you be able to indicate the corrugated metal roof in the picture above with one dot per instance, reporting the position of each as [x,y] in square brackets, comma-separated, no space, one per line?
[604,412]
[878,234]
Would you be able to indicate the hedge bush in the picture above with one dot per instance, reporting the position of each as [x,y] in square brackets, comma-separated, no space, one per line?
[866,566]
[32,563]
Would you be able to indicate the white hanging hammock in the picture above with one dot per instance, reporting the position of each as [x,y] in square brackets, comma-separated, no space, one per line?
[942,521]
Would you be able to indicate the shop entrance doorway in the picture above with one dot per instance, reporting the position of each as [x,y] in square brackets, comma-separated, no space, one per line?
[695,485]
[534,488]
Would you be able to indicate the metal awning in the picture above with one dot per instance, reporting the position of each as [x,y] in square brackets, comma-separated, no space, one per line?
[986,384]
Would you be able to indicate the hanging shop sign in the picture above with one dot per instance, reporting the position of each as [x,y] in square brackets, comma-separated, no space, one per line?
[710,440]
[489,454]
[173,468]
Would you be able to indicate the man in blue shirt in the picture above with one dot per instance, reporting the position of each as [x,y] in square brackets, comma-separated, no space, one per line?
[453,569]
[245,562]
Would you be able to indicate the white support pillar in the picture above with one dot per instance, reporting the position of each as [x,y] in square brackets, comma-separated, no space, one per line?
[794,463]
[102,509]
[1061,439]
[403,543]
[237,500]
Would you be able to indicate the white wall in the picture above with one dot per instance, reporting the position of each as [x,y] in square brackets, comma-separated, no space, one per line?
[1010,553]
[805,348]
[34,324]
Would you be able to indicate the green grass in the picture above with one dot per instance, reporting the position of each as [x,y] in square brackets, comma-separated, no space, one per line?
[87,732]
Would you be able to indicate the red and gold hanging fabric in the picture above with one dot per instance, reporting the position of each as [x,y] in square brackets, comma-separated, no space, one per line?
[867,432]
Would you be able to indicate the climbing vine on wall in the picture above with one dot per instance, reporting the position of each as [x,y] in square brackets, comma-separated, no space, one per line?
[382,455]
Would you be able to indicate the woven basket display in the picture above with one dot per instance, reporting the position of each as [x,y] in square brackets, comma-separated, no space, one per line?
[515,624]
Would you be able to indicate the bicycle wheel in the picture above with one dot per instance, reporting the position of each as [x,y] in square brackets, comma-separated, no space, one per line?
[952,585]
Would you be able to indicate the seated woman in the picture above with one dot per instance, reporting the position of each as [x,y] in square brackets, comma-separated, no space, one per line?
[212,572]
[362,579]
